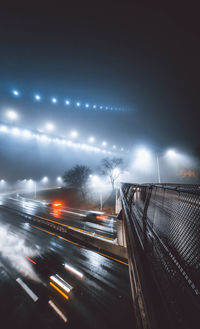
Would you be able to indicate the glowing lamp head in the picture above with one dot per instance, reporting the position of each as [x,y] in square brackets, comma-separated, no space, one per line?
[171,154]
[54,100]
[15,92]
[12,115]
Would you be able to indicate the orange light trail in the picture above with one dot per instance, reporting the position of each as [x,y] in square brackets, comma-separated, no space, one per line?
[32,261]
[60,291]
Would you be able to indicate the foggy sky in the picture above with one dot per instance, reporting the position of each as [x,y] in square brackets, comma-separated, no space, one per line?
[141,57]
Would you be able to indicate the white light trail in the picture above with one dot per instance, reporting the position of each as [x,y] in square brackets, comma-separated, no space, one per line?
[56,309]
[61,283]
[27,289]
[73,270]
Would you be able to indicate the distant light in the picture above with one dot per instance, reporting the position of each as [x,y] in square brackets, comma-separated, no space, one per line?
[101,107]
[15,131]
[59,179]
[37,97]
[91,139]
[2,181]
[104,143]
[15,92]
[54,100]
[27,134]
[106,107]
[12,115]
[67,102]
[78,104]
[45,179]
[94,106]
[74,134]
[87,105]
[50,126]
[114,147]
[122,149]
[4,129]
[171,154]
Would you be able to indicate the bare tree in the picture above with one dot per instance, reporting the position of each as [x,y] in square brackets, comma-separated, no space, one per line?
[77,177]
[110,168]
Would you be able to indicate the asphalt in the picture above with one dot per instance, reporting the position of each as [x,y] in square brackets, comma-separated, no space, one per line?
[103,228]
[100,295]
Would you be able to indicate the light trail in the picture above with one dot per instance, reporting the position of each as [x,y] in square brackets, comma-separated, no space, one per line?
[27,289]
[56,309]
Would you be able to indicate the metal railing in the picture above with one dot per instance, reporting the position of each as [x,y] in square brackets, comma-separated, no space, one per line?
[162,224]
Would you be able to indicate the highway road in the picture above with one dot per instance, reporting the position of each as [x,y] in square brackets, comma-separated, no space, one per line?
[75,218]
[47,281]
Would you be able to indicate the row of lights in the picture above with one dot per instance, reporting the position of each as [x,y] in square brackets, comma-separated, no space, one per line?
[67,102]
[49,126]
[46,139]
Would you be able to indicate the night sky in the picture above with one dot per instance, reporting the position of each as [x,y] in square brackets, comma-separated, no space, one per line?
[141,57]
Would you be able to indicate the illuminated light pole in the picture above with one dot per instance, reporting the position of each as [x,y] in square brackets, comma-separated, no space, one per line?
[54,100]
[15,92]
[74,134]
[59,180]
[91,139]
[49,126]
[45,179]
[12,115]
[37,97]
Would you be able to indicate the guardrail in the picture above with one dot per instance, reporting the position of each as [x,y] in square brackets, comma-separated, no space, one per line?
[162,224]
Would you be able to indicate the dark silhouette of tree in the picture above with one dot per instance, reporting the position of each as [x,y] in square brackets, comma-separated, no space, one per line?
[109,168]
[77,177]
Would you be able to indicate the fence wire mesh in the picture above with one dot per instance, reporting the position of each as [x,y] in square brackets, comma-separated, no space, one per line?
[166,219]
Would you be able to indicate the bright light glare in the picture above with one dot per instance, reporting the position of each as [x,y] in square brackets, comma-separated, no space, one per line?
[94,106]
[67,102]
[45,179]
[171,154]
[59,179]
[15,92]
[12,115]
[64,285]
[87,105]
[37,97]
[4,129]
[104,143]
[74,134]
[78,104]
[73,270]
[114,147]
[26,134]
[91,139]
[15,131]
[54,100]
[49,126]
[143,161]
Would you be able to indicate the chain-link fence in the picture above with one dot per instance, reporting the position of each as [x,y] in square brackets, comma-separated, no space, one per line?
[166,221]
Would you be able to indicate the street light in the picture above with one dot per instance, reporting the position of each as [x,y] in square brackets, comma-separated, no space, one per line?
[54,100]
[15,92]
[104,143]
[91,139]
[37,97]
[11,115]
[50,126]
[45,179]
[74,134]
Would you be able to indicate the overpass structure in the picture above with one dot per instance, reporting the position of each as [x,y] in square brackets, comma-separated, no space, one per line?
[160,224]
